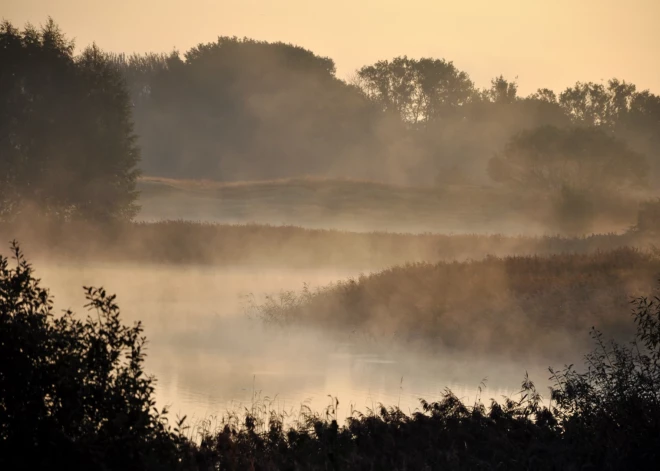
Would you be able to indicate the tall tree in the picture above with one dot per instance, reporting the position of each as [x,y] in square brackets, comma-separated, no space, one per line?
[619,107]
[67,146]
[502,91]
[417,90]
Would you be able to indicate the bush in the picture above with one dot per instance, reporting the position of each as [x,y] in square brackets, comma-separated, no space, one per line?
[73,392]
[610,414]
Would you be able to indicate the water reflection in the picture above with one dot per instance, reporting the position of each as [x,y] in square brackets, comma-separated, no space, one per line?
[210,358]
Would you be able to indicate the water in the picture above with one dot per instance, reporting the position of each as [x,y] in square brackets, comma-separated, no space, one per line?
[209,357]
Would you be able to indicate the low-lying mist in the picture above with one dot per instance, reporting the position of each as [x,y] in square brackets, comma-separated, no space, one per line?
[209,356]
[529,307]
[257,245]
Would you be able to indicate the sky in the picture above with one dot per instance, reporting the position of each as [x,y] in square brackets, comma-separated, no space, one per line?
[544,43]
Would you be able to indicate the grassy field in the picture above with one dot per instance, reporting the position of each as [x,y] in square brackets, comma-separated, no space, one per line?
[361,206]
[514,305]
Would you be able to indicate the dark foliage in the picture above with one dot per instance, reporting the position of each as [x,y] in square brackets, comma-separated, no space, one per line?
[243,109]
[73,392]
[67,146]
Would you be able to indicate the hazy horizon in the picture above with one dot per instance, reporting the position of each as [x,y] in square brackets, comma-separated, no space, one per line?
[545,44]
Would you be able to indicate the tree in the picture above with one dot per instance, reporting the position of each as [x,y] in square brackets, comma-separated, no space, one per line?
[592,104]
[618,106]
[417,90]
[67,146]
[502,91]
[544,95]
[245,109]
[551,158]
[463,144]
[140,71]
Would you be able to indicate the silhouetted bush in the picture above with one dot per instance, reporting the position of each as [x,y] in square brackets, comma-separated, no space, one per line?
[610,414]
[73,393]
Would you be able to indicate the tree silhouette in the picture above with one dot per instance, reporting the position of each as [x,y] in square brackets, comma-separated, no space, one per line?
[417,90]
[74,392]
[67,146]
[245,109]
[502,91]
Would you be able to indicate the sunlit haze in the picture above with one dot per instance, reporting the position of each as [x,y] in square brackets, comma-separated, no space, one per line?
[544,43]
[348,235]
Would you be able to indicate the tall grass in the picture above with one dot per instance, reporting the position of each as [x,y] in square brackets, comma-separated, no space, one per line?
[520,305]
[285,246]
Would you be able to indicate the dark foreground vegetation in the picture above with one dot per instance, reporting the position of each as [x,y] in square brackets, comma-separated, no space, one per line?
[74,395]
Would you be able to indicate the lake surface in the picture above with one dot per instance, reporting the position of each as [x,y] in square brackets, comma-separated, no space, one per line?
[209,357]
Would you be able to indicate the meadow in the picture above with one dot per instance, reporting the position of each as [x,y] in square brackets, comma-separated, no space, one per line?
[366,206]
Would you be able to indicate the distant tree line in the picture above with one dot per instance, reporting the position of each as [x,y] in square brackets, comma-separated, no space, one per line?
[243,109]
[73,126]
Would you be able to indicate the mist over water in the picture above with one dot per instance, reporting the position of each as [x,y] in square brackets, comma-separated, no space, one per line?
[209,356]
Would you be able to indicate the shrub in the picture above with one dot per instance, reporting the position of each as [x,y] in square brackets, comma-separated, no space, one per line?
[73,392]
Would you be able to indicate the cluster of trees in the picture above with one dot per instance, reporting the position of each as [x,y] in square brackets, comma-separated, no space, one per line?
[73,126]
[242,109]
[67,146]
[74,393]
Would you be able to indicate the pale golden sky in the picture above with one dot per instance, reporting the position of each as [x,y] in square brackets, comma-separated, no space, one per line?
[546,43]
